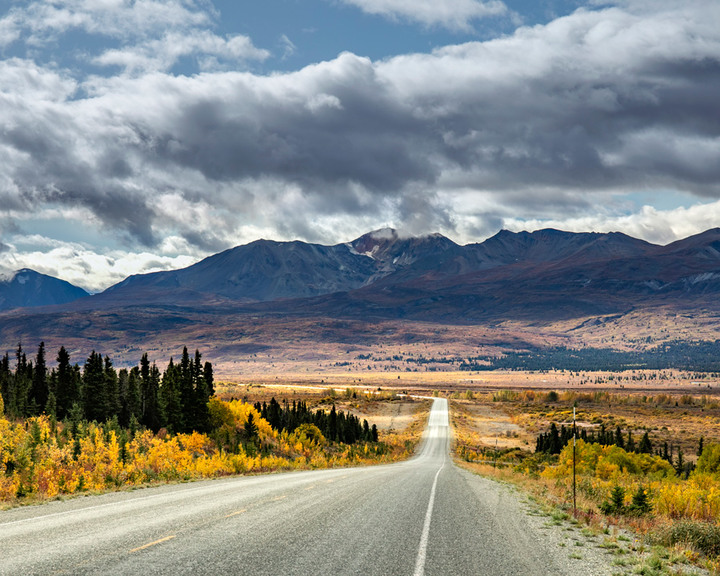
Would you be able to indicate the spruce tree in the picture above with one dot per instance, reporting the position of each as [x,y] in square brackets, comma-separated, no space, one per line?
[251,429]
[619,440]
[645,446]
[171,400]
[39,389]
[95,396]
[65,394]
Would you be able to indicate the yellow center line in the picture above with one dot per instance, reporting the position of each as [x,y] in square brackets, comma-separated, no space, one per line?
[152,543]
[236,513]
[279,498]
[310,488]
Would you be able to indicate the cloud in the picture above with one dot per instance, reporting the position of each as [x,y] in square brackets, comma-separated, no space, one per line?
[648,223]
[548,124]
[85,267]
[164,53]
[152,34]
[288,47]
[451,14]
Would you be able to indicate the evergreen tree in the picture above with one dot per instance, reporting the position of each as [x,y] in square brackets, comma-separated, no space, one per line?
[170,397]
[700,446]
[132,396]
[187,392]
[209,379]
[630,442]
[251,429]
[555,446]
[152,416]
[23,380]
[65,393]
[619,440]
[7,385]
[95,396]
[645,446]
[680,464]
[39,389]
[112,394]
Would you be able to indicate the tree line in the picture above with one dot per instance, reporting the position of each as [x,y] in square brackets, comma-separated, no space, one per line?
[555,439]
[141,396]
[699,356]
[335,425]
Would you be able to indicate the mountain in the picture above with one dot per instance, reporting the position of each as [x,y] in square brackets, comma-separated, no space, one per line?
[27,288]
[304,301]
[546,273]
[259,271]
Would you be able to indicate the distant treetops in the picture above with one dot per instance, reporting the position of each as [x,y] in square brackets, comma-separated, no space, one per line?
[176,400]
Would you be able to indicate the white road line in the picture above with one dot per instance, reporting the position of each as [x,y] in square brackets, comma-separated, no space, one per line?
[422,551]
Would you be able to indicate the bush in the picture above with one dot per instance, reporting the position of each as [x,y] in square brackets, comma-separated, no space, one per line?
[701,536]
[709,460]
[616,504]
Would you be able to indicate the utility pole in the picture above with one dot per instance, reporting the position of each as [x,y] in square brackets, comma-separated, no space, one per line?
[574,436]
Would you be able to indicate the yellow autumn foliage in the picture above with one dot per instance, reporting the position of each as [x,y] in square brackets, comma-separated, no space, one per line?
[45,459]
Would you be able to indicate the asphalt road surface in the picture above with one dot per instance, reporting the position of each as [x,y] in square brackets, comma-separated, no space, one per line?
[420,517]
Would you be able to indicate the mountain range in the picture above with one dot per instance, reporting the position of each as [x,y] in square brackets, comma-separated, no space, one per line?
[382,267]
[536,278]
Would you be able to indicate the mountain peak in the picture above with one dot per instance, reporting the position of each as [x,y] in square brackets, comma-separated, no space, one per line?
[26,287]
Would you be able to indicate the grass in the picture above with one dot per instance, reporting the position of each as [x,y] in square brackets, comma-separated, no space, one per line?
[663,544]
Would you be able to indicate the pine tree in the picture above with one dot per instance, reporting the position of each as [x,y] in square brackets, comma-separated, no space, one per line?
[132,395]
[65,395]
[150,386]
[112,395]
[645,446]
[630,442]
[171,399]
[39,389]
[94,392]
[22,383]
[555,446]
[619,440]
[209,379]
[251,429]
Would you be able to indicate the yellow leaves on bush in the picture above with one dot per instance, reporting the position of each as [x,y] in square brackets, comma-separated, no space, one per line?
[709,460]
[607,462]
[47,461]
[234,415]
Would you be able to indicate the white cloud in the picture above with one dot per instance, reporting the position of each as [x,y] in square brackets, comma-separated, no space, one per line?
[153,34]
[164,53]
[648,223]
[85,267]
[452,14]
[288,47]
[544,126]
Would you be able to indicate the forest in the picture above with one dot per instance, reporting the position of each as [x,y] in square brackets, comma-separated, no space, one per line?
[699,356]
[176,400]
[75,428]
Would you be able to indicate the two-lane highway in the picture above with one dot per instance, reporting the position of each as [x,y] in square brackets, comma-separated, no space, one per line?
[423,516]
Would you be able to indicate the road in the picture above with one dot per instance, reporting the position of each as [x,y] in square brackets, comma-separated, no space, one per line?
[424,516]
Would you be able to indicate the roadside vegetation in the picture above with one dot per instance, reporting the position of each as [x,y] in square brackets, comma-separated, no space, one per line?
[177,431]
[649,464]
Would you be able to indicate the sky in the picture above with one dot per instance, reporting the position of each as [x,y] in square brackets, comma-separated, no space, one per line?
[144,135]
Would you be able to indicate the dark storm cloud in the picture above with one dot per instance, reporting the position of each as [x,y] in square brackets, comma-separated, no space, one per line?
[599,101]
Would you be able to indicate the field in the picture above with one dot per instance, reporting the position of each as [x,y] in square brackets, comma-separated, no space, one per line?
[631,502]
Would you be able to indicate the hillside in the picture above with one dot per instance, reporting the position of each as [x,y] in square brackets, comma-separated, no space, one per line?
[27,288]
[292,303]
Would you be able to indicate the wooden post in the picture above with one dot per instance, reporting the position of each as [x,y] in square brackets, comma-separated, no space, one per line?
[574,436]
